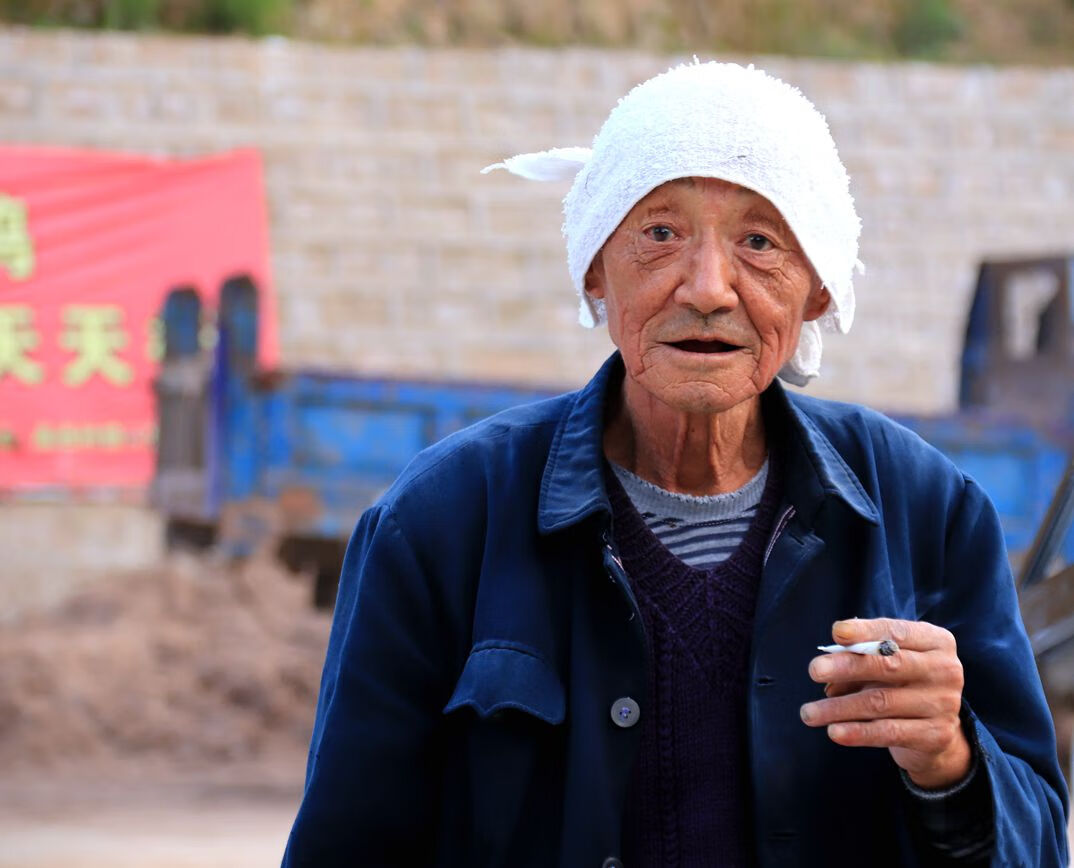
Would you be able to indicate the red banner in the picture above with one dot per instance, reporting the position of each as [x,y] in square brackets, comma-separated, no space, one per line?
[90,243]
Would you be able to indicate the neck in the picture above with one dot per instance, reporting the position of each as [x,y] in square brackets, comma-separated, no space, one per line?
[689,453]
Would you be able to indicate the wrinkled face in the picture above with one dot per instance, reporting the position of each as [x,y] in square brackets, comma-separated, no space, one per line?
[706,291]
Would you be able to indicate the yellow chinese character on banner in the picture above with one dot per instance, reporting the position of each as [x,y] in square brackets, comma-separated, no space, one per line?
[16,245]
[96,334]
[17,338]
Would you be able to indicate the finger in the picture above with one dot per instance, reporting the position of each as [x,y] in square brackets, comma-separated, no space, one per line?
[877,703]
[903,667]
[926,735]
[844,688]
[910,635]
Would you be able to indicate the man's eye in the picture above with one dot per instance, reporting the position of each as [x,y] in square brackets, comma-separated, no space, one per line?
[756,241]
[660,233]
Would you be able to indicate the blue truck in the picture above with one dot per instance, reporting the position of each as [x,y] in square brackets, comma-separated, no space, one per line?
[249,457]
[290,459]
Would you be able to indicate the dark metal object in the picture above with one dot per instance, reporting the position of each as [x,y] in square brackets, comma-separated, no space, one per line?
[181,390]
[1047,603]
[1053,531]
[1048,611]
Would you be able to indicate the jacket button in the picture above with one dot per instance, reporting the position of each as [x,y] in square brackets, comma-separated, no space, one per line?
[611,862]
[625,713]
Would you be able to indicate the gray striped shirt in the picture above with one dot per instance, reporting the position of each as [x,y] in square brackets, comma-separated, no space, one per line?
[700,531]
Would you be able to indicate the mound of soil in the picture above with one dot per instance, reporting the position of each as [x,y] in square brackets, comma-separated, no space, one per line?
[195,664]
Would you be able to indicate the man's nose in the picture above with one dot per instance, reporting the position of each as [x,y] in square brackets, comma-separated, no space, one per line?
[710,286]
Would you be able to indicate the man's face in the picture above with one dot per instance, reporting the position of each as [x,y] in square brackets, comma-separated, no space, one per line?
[706,290]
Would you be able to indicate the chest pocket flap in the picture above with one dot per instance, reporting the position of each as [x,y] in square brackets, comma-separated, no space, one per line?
[499,676]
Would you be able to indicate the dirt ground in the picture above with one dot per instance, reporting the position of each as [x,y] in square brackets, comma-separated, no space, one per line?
[159,719]
[232,819]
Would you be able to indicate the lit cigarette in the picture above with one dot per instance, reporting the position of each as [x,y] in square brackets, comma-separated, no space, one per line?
[885,648]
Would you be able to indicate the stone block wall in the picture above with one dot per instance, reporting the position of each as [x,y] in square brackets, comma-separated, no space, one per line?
[52,548]
[393,255]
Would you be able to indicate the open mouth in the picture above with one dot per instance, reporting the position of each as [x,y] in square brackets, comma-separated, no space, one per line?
[693,346]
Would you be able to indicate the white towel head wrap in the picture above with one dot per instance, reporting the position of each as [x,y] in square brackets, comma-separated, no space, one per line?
[713,120]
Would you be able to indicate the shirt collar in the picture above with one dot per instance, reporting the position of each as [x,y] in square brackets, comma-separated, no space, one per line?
[572,488]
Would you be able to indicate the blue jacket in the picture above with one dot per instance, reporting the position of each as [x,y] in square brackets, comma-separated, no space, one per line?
[483,630]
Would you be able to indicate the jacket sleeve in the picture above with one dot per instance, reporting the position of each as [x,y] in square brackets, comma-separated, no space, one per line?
[373,772]
[1002,689]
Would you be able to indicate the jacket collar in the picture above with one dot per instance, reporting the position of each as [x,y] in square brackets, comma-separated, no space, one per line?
[814,469]
[572,488]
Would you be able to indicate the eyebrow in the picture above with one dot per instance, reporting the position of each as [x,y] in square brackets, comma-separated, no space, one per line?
[757,214]
[659,208]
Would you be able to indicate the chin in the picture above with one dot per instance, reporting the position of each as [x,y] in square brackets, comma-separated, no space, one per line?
[699,398]
[692,383]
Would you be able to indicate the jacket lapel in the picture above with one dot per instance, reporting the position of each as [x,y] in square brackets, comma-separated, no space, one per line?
[813,473]
[572,487]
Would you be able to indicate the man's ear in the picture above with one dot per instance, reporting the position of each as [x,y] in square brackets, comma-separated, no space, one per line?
[817,303]
[594,277]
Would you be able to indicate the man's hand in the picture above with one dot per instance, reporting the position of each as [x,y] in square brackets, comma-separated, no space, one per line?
[908,702]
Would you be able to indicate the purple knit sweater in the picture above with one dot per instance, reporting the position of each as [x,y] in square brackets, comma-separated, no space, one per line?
[689,796]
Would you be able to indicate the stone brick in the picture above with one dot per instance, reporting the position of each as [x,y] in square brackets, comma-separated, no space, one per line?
[371,308]
[1060,135]
[433,213]
[98,539]
[514,217]
[16,97]
[429,111]
[514,114]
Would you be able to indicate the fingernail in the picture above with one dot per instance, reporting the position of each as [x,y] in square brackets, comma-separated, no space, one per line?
[822,668]
[836,730]
[807,712]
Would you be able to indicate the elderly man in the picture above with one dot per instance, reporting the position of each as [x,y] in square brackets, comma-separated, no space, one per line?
[584,632]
